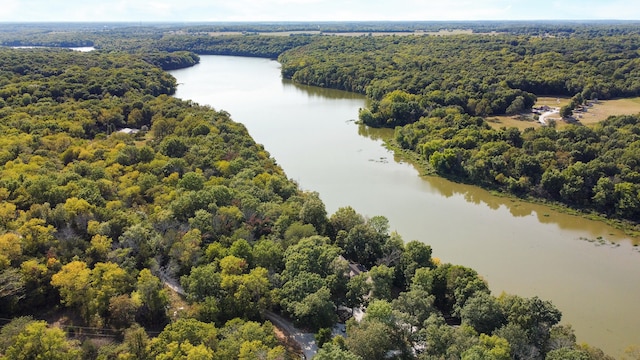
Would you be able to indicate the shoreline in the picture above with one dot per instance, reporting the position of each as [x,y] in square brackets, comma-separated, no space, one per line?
[632,230]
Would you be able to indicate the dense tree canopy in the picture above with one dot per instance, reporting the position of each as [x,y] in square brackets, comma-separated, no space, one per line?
[408,76]
[92,217]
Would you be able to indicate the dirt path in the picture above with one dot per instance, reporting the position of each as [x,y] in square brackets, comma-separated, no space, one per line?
[306,341]
[543,117]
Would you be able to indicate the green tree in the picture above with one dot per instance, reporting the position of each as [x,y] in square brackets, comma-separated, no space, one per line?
[203,281]
[153,297]
[534,315]
[313,254]
[10,249]
[516,107]
[333,352]
[415,305]
[37,236]
[107,280]
[483,313]
[416,255]
[381,282]
[269,254]
[369,339]
[566,111]
[173,147]
[192,181]
[316,310]
[561,336]
[380,310]
[186,250]
[242,249]
[313,212]
[442,339]
[136,341]
[246,295]
[363,245]
[297,231]
[452,285]
[358,289]
[239,336]
[256,350]
[38,341]
[122,311]
[518,339]
[73,281]
[323,336]
[345,218]
[185,330]
[489,347]
[9,331]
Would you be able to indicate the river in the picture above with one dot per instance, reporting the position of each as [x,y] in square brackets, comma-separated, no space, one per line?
[589,270]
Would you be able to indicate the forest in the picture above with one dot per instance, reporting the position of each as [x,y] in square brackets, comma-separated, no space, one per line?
[99,226]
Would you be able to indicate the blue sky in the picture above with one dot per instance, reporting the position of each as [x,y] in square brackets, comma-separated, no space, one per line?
[314,10]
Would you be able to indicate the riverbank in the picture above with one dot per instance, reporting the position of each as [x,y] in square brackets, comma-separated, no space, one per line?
[424,169]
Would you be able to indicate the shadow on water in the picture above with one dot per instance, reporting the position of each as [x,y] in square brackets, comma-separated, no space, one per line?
[314,91]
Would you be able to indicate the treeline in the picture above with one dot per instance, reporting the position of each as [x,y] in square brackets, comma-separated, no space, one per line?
[134,41]
[171,60]
[482,75]
[237,45]
[164,46]
[97,221]
[34,35]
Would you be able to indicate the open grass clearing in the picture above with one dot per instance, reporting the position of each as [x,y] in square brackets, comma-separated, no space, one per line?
[443,32]
[604,109]
[594,114]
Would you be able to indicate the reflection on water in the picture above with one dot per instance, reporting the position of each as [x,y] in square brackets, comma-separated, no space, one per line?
[375,133]
[520,208]
[314,91]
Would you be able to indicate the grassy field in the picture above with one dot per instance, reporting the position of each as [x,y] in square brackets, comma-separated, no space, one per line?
[604,109]
[594,114]
[359,33]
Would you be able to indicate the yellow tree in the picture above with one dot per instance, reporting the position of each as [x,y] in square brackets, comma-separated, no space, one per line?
[10,249]
[107,280]
[100,247]
[79,212]
[72,282]
[7,212]
[37,237]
